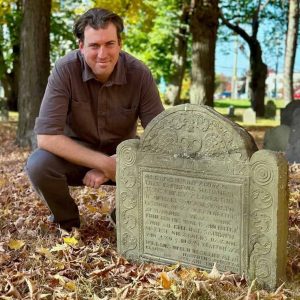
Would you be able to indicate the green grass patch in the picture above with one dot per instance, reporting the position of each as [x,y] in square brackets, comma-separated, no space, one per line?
[243,103]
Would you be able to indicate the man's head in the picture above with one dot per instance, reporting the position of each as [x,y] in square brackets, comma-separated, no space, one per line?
[97,18]
[99,34]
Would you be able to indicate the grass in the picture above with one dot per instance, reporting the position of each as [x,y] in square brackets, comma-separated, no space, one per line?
[222,106]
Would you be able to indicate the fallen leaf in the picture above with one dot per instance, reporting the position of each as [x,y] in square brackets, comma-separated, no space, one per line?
[165,280]
[71,241]
[214,274]
[59,247]
[16,244]
[71,286]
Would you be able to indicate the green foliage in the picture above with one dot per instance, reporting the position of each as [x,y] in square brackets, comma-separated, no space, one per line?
[10,20]
[154,44]
[64,13]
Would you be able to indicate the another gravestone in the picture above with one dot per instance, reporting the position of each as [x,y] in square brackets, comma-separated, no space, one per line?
[3,109]
[276,138]
[195,190]
[286,114]
[249,116]
[293,147]
[270,110]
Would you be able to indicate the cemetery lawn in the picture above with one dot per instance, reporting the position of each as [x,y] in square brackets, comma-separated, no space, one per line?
[39,261]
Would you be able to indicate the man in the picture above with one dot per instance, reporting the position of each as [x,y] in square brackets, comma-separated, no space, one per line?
[93,99]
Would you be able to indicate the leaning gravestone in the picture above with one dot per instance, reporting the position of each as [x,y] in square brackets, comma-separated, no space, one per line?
[195,190]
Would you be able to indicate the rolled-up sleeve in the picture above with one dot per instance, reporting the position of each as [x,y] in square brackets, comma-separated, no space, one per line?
[150,102]
[55,103]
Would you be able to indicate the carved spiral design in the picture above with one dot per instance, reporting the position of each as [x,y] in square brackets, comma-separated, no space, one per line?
[128,241]
[128,156]
[128,200]
[262,198]
[261,173]
[130,221]
[262,268]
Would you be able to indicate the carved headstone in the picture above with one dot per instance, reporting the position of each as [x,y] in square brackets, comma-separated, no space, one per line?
[195,190]
[249,116]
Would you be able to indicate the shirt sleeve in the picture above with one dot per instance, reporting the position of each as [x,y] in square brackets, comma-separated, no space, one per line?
[54,107]
[150,102]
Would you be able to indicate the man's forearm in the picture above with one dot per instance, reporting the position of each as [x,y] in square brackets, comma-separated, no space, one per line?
[74,152]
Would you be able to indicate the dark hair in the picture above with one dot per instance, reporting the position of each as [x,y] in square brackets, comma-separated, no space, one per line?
[97,18]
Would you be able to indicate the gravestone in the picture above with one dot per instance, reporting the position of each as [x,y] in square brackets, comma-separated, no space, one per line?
[276,138]
[3,109]
[249,116]
[293,147]
[270,110]
[195,190]
[286,114]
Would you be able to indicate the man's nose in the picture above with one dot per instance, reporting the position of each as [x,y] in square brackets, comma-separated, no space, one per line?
[102,52]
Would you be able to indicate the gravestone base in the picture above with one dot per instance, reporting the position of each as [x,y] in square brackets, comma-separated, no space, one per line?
[195,190]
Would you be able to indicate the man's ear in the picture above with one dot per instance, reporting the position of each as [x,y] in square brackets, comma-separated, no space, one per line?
[81,46]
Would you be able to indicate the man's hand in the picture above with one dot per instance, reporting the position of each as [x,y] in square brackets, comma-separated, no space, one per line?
[94,178]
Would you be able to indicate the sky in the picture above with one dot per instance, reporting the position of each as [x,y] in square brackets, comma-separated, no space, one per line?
[225,61]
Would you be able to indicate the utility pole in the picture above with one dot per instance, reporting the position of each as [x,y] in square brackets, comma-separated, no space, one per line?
[234,88]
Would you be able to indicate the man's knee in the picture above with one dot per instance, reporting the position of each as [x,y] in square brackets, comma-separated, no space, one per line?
[40,164]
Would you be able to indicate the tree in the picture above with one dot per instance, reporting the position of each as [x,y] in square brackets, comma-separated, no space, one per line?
[10,12]
[238,14]
[180,55]
[204,25]
[290,50]
[35,66]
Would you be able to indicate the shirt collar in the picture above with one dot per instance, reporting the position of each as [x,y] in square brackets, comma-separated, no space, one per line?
[118,75]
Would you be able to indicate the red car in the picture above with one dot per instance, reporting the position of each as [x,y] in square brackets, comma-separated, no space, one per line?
[297,95]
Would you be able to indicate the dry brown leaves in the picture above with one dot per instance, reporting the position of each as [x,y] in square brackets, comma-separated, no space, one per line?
[39,261]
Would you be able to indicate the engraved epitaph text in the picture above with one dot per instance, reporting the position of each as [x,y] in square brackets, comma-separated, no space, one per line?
[193,220]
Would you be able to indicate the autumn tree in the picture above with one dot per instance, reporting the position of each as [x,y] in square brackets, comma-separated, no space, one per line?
[35,65]
[290,51]
[244,18]
[10,12]
[178,66]
[204,26]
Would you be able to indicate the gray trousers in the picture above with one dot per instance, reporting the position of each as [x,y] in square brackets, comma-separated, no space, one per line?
[51,177]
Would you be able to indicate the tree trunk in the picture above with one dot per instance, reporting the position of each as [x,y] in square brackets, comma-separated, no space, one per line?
[257,85]
[258,69]
[290,50]
[179,57]
[10,76]
[204,25]
[35,66]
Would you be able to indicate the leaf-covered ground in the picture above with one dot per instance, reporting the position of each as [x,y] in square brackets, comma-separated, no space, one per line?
[39,261]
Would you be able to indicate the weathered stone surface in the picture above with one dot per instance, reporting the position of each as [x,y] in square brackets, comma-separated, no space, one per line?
[195,190]
[276,138]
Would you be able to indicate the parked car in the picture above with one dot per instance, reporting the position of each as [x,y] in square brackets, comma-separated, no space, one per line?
[297,95]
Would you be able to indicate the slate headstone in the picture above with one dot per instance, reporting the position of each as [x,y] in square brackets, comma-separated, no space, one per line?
[293,147]
[286,114]
[195,189]
[276,138]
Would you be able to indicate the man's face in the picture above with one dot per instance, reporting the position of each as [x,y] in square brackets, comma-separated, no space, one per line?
[101,49]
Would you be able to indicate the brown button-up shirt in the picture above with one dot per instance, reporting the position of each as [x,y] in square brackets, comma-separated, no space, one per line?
[98,115]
